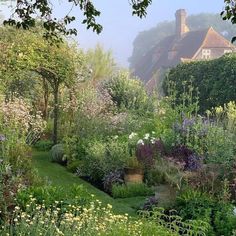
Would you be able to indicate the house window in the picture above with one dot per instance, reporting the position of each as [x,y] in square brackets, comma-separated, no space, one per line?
[227,51]
[206,53]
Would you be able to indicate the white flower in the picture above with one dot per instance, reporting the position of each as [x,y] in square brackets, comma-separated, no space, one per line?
[146,136]
[116,137]
[132,135]
[234,211]
[140,141]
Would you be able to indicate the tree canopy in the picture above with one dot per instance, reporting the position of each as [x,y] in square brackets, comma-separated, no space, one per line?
[28,53]
[26,12]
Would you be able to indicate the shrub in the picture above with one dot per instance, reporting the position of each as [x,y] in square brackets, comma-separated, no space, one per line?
[126,92]
[74,166]
[184,156]
[93,162]
[12,180]
[154,177]
[146,152]
[209,78]
[148,148]
[193,163]
[43,145]
[103,157]
[169,173]
[113,178]
[57,154]
[150,203]
[116,154]
[220,146]
[196,205]
[224,219]
[131,190]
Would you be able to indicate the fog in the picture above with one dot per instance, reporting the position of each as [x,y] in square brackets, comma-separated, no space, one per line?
[119,26]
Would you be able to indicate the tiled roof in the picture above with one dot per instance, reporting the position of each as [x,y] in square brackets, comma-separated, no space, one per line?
[172,50]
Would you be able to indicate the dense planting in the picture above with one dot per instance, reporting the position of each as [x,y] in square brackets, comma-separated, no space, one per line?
[135,150]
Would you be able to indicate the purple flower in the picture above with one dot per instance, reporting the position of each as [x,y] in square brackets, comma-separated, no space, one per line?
[2,138]
[146,152]
[193,162]
[150,203]
[187,123]
[114,177]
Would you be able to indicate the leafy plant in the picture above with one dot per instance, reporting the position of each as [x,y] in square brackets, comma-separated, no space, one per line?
[133,163]
[147,151]
[126,92]
[113,178]
[150,203]
[50,195]
[194,205]
[43,145]
[57,154]
[193,163]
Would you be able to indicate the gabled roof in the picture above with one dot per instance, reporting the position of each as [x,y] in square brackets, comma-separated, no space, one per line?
[216,40]
[173,50]
[189,45]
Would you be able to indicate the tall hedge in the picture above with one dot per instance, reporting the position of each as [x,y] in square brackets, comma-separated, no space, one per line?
[214,79]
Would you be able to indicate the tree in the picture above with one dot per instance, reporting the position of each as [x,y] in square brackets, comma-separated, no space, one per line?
[100,62]
[27,11]
[27,52]
[229,13]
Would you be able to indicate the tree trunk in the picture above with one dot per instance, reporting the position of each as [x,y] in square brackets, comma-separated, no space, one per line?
[45,98]
[56,113]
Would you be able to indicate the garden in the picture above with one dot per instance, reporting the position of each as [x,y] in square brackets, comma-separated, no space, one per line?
[86,150]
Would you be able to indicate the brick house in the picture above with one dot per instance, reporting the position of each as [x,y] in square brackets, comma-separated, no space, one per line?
[183,46]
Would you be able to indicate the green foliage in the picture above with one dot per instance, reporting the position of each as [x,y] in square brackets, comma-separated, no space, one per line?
[100,62]
[165,172]
[220,146]
[50,195]
[43,145]
[95,219]
[229,13]
[126,92]
[200,206]
[154,177]
[131,190]
[58,153]
[25,17]
[14,178]
[133,163]
[214,80]
[176,223]
[103,157]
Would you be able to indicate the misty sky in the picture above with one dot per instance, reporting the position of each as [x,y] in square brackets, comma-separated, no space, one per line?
[121,28]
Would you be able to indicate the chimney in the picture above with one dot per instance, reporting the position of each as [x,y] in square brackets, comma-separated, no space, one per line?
[180,20]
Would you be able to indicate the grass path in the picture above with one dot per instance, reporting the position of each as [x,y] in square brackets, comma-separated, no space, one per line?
[57,175]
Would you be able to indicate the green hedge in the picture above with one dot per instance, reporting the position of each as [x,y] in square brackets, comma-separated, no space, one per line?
[215,80]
